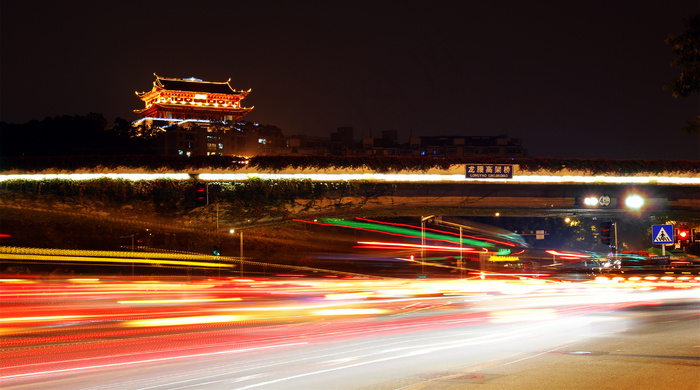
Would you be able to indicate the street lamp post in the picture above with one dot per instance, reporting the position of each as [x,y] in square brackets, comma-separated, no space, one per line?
[422,241]
[232,231]
[461,254]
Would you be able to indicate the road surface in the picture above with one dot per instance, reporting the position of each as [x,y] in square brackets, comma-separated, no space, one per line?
[350,334]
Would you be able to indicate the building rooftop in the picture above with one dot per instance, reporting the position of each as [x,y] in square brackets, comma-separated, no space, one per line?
[196,85]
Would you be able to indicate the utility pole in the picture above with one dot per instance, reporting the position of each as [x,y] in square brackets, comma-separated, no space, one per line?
[240,233]
[461,255]
[422,242]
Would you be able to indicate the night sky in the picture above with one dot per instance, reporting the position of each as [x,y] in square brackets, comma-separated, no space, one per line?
[572,79]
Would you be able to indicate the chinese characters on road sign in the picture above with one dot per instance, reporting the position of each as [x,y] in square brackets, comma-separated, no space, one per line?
[489,171]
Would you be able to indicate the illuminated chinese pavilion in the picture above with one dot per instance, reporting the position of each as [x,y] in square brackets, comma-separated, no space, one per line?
[188,99]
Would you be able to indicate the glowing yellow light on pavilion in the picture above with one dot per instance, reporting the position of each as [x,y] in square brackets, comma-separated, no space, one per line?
[200,96]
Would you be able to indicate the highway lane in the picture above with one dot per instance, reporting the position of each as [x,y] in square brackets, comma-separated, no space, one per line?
[358,334]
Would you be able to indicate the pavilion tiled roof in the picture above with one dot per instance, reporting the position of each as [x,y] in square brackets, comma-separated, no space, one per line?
[195,85]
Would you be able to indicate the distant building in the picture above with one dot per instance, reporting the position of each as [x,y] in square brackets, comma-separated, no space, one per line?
[443,146]
[467,146]
[177,100]
[182,141]
[205,139]
[340,143]
[195,118]
[388,145]
[343,142]
[248,140]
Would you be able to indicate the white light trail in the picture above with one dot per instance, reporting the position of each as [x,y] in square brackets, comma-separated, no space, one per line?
[135,362]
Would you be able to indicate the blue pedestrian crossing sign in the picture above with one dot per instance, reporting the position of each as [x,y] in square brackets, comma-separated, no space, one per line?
[662,234]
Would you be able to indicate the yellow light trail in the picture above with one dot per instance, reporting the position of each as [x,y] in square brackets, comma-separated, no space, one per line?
[177,321]
[349,295]
[116,254]
[10,256]
[44,318]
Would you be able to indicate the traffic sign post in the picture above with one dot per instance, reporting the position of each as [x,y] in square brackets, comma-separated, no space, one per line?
[662,234]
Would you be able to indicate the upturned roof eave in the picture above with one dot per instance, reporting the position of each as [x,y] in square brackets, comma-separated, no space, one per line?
[159,83]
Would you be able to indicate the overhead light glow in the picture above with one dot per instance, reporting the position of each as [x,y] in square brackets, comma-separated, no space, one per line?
[634,202]
[590,201]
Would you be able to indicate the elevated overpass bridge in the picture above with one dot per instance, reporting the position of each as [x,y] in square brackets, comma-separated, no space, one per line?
[349,193]
[452,192]
[447,191]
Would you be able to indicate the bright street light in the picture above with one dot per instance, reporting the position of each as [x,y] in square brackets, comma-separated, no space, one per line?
[634,202]
[590,201]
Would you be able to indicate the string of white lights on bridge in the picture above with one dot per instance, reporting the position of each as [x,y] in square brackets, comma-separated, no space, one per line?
[376,177]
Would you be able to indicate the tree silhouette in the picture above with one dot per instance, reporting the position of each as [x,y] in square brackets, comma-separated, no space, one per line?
[686,46]
[68,135]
